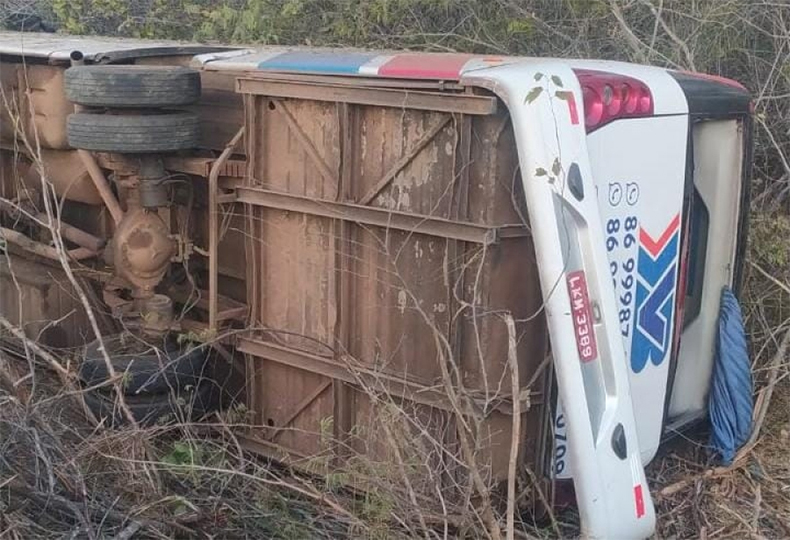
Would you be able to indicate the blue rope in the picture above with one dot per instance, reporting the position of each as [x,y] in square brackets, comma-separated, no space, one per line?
[730,402]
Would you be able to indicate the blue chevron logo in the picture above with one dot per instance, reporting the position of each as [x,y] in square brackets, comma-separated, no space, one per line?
[655,296]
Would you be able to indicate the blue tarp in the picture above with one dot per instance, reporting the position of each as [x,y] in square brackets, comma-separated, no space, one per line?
[730,403]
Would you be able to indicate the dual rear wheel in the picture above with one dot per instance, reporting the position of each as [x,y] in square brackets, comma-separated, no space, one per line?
[132,108]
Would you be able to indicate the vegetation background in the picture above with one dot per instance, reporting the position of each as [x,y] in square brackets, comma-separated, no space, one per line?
[747,40]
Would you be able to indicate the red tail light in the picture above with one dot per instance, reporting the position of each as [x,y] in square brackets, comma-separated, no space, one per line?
[608,97]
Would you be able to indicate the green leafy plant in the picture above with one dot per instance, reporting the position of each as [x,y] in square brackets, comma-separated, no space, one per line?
[190,459]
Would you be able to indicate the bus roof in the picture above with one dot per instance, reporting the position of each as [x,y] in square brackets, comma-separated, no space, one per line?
[57,48]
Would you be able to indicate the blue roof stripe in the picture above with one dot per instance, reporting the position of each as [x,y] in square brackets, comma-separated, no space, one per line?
[318,61]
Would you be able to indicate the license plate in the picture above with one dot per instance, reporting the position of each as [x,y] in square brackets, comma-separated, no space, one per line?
[582,316]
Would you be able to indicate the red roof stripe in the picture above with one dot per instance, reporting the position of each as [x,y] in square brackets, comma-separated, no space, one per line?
[425,66]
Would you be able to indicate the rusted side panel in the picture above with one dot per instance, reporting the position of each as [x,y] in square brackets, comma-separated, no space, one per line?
[46,104]
[296,408]
[292,286]
[297,251]
[12,167]
[41,300]
[9,92]
[413,152]
[507,280]
[399,301]
[391,432]
[33,99]
[298,300]
[412,306]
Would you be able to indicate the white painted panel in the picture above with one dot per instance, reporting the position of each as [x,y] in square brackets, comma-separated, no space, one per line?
[640,169]
[718,163]
[639,166]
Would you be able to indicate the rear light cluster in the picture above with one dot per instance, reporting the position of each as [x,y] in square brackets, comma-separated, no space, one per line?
[608,96]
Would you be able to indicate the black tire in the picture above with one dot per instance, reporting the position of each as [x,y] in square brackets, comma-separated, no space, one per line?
[132,86]
[134,134]
[147,369]
[149,410]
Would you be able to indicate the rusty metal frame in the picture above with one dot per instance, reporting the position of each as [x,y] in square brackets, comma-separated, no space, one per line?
[300,407]
[339,374]
[201,166]
[249,441]
[357,81]
[380,217]
[350,372]
[306,143]
[326,171]
[227,308]
[213,229]
[405,160]
[465,103]
[12,236]
[342,393]
[102,186]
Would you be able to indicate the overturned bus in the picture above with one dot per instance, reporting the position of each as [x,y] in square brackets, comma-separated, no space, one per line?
[455,261]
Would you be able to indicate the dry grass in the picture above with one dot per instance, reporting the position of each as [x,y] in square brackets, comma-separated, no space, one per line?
[59,477]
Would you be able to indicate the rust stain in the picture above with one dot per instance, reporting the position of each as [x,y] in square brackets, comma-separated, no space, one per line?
[347,292]
[140,239]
